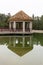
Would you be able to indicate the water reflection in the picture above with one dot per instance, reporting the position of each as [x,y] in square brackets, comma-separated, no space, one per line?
[20,45]
[22,41]
[21,50]
[38,39]
[17,44]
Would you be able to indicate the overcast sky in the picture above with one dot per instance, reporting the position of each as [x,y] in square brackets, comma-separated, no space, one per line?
[29,6]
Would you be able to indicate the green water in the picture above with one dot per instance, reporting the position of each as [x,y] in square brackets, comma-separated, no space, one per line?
[21,50]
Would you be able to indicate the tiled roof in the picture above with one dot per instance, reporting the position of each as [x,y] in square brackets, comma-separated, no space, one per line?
[20,16]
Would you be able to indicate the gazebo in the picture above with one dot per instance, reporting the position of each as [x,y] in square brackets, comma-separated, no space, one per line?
[20,23]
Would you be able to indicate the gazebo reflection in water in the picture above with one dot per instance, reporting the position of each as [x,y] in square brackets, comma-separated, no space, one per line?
[21,44]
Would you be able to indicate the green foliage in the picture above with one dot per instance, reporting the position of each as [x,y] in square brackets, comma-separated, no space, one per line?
[3,20]
[38,23]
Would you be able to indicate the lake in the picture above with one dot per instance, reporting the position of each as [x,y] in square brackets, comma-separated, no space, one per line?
[21,50]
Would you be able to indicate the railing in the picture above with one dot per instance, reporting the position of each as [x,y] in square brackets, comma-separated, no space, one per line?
[13,30]
[27,30]
[4,29]
[18,30]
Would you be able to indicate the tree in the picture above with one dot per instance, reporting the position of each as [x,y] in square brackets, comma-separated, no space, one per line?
[3,20]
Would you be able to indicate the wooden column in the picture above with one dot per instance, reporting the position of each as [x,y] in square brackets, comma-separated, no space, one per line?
[14,25]
[30,26]
[23,26]
[9,25]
